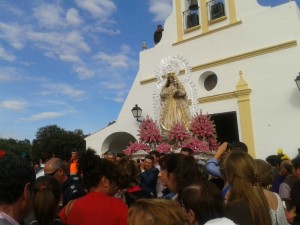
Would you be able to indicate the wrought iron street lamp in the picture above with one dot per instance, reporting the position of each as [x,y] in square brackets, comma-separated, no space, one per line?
[297,80]
[136,112]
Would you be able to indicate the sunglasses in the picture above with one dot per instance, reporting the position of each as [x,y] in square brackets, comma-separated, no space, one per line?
[53,173]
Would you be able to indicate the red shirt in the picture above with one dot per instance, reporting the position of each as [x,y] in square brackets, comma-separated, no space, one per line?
[96,208]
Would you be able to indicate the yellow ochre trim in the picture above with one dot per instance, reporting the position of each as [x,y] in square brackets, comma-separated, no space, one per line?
[235,58]
[179,21]
[206,33]
[246,116]
[242,94]
[203,22]
[232,11]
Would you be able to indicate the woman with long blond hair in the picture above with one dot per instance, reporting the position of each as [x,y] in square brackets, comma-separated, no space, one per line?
[246,202]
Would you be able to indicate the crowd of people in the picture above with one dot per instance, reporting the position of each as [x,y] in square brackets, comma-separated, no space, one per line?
[158,189]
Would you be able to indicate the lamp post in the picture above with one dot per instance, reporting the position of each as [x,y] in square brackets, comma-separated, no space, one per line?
[297,80]
[136,112]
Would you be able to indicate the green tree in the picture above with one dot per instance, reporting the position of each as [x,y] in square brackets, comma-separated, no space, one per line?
[57,141]
[20,147]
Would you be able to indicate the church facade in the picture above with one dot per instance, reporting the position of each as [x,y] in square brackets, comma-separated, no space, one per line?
[243,59]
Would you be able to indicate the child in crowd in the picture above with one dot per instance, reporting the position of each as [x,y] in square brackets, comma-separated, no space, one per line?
[290,210]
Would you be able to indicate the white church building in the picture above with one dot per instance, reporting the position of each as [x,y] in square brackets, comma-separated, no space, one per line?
[242,58]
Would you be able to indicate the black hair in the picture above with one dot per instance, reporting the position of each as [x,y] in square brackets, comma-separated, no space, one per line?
[184,168]
[186,149]
[205,199]
[15,173]
[296,162]
[149,157]
[94,168]
[154,152]
[237,145]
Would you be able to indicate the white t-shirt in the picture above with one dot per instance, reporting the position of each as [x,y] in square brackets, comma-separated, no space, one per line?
[220,221]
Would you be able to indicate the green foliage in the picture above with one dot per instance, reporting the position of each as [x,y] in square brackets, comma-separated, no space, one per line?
[20,147]
[57,141]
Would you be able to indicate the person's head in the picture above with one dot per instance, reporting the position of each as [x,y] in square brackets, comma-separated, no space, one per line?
[160,28]
[98,174]
[120,156]
[202,201]
[273,161]
[264,172]
[74,155]
[148,162]
[238,146]
[56,168]
[286,167]
[289,209]
[156,212]
[128,173]
[186,151]
[240,172]
[155,154]
[47,196]
[178,171]
[111,157]
[296,164]
[16,180]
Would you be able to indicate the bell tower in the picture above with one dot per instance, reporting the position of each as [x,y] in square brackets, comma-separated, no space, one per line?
[199,17]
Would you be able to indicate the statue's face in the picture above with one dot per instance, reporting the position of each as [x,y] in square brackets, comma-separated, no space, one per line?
[171,80]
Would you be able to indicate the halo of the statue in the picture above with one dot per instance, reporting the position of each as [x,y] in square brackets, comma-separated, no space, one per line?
[173,64]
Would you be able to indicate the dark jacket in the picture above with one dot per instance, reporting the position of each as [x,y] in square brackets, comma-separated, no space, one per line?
[71,189]
[148,181]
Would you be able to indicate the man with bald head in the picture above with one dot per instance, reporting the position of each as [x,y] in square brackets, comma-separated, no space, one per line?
[71,189]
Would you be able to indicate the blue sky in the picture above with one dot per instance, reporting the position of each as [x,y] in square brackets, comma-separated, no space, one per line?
[71,63]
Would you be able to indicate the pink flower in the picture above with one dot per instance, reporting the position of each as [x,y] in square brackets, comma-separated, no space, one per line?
[149,132]
[134,147]
[178,133]
[196,145]
[163,148]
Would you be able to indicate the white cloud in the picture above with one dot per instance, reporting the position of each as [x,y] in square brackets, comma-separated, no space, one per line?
[114,61]
[8,74]
[6,56]
[118,99]
[83,72]
[161,9]
[69,57]
[75,39]
[13,34]
[15,105]
[114,85]
[42,116]
[61,89]
[73,17]
[101,9]
[63,46]
[48,16]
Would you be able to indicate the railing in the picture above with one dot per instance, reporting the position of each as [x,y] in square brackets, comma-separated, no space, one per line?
[216,9]
[191,18]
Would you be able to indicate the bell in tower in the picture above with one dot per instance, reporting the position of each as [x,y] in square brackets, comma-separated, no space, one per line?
[193,4]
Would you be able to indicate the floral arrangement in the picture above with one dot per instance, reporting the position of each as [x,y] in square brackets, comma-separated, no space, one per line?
[201,137]
[135,147]
[178,133]
[163,148]
[204,128]
[196,145]
[149,132]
